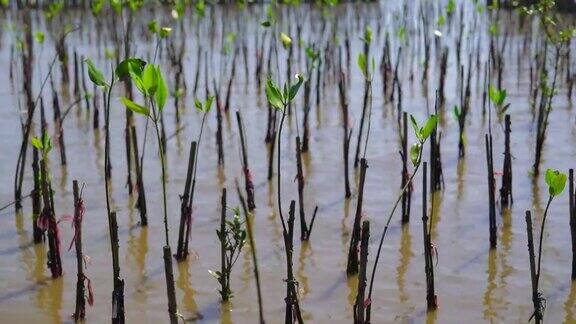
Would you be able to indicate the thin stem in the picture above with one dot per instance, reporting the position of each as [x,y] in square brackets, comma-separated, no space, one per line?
[279,170]
[388,223]
[542,237]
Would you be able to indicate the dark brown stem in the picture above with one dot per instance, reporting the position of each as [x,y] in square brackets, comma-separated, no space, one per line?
[141,202]
[359,306]
[248,184]
[491,188]
[572,215]
[352,265]
[80,311]
[533,276]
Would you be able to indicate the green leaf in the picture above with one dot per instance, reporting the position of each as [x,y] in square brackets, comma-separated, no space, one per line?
[208,104]
[273,95]
[96,7]
[39,37]
[200,8]
[415,153]
[116,6]
[37,143]
[135,107]
[428,127]
[150,79]
[294,88]
[162,91]
[198,105]
[95,75]
[130,64]
[415,126]
[286,40]
[556,182]
[153,26]
[456,113]
[362,64]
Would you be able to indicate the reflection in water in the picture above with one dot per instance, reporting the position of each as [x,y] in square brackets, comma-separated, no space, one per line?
[435,214]
[137,251]
[405,252]
[49,298]
[506,242]
[460,172]
[304,255]
[226,312]
[352,283]
[569,304]
[489,312]
[188,302]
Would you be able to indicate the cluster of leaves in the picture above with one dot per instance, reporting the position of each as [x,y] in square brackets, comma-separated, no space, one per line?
[450,9]
[233,240]
[43,144]
[422,134]
[556,182]
[54,9]
[498,98]
[280,99]
[363,60]
[204,107]
[148,79]
[545,10]
[161,32]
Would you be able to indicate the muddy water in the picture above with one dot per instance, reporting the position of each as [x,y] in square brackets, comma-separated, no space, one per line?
[472,282]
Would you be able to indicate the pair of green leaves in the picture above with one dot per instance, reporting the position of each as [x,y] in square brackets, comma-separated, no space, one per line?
[150,82]
[367,38]
[556,182]
[498,97]
[204,107]
[363,66]
[44,144]
[161,32]
[280,99]
[422,134]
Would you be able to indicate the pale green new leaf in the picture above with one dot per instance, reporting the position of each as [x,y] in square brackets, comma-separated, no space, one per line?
[95,75]
[135,107]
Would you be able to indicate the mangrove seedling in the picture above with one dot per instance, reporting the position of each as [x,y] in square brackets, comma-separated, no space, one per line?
[280,101]
[151,84]
[422,134]
[47,220]
[556,182]
[97,78]
[187,199]
[232,237]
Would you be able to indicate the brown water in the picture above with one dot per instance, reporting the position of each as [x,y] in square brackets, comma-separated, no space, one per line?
[473,283]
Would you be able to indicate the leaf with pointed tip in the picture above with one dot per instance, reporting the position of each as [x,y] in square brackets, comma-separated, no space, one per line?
[95,75]
[135,65]
[162,90]
[135,107]
[150,79]
[556,181]
[294,88]
[273,95]
[208,104]
[362,64]
[37,143]
[415,126]
[428,127]
[415,153]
